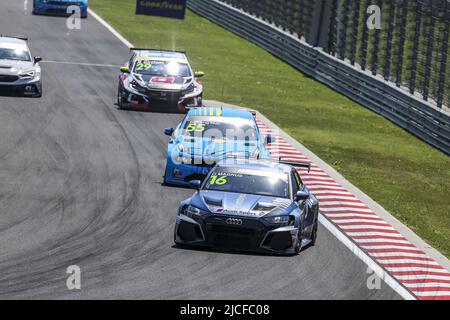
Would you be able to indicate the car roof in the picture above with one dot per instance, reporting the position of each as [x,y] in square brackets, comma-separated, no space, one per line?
[263,165]
[161,55]
[221,112]
[13,43]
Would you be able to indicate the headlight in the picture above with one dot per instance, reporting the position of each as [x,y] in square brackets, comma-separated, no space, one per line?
[27,75]
[191,211]
[134,85]
[281,220]
[189,89]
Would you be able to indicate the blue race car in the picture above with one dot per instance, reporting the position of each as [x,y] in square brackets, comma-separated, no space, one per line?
[209,135]
[254,205]
[60,7]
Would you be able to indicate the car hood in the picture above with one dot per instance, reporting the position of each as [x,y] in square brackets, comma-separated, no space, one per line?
[10,67]
[217,149]
[239,204]
[163,83]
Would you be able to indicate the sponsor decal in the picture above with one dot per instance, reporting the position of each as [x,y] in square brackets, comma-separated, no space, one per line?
[163,8]
[165,80]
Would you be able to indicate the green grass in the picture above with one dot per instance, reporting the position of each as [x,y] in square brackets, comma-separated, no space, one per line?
[405,175]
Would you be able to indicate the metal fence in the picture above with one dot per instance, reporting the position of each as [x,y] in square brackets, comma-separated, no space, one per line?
[323,56]
[410,49]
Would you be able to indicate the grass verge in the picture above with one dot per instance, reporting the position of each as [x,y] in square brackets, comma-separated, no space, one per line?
[405,175]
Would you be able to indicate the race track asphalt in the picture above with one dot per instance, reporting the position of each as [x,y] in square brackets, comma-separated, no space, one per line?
[81,184]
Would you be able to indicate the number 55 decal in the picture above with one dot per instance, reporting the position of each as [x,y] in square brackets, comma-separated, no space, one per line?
[197,127]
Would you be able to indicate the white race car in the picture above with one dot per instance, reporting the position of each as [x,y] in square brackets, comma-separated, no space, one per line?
[20,73]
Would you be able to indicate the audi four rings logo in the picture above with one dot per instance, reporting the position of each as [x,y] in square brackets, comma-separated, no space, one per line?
[236,222]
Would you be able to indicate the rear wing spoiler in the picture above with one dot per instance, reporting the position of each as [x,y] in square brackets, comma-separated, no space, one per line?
[15,37]
[153,49]
[296,164]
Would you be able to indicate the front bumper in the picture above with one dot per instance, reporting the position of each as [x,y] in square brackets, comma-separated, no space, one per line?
[254,235]
[153,99]
[30,88]
[59,9]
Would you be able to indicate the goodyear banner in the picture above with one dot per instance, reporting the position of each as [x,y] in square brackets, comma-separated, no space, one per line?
[163,8]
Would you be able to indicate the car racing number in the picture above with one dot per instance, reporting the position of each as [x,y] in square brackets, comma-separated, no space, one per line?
[196,127]
[143,66]
[218,180]
[221,178]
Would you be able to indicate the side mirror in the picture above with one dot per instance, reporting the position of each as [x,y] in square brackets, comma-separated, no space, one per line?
[168,131]
[302,196]
[199,74]
[195,184]
[37,59]
[125,69]
[270,139]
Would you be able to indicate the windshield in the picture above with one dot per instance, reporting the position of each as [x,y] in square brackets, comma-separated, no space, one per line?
[264,183]
[220,128]
[162,68]
[14,54]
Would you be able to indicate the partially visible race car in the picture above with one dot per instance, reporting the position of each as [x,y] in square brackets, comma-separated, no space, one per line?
[61,7]
[254,205]
[208,135]
[20,73]
[159,80]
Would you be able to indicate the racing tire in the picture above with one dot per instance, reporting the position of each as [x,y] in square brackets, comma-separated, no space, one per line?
[298,243]
[164,178]
[314,233]
[119,99]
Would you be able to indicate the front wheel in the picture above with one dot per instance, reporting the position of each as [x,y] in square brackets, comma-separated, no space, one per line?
[314,233]
[119,98]
[298,243]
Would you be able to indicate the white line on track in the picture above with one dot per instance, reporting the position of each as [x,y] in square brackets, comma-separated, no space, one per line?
[82,64]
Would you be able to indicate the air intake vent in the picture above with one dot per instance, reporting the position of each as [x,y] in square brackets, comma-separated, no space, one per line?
[264,207]
[213,201]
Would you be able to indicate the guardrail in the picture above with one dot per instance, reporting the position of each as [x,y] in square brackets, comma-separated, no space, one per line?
[407,111]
